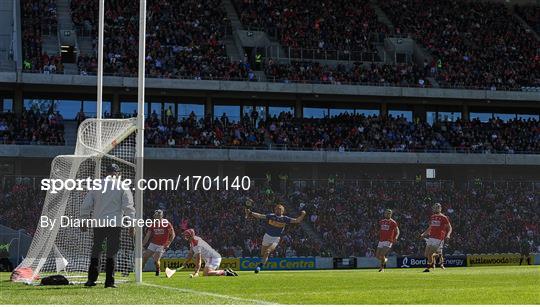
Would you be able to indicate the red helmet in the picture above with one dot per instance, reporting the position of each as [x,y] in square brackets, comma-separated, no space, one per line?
[189,232]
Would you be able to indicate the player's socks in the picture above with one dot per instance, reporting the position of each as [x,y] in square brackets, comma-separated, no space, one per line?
[230,272]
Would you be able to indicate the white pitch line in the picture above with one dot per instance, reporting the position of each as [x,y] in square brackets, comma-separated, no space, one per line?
[229,297]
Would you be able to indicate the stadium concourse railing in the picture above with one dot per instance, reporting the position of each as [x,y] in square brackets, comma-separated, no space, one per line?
[291,148]
[270,79]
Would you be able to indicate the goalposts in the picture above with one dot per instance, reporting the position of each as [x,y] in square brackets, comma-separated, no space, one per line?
[100,142]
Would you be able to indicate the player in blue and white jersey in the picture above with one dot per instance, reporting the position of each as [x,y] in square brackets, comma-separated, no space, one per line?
[274,226]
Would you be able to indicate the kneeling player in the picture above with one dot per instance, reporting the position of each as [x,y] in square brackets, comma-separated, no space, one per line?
[202,250]
[160,238]
[439,230]
[275,225]
[389,233]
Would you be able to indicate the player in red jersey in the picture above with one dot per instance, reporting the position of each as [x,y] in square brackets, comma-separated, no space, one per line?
[160,238]
[439,229]
[389,233]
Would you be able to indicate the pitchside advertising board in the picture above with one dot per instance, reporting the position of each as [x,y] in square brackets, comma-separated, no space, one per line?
[420,262]
[493,259]
[174,263]
[294,263]
[345,263]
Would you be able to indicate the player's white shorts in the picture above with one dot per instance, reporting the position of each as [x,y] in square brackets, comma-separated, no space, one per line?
[439,250]
[212,263]
[436,243]
[383,244]
[156,248]
[269,240]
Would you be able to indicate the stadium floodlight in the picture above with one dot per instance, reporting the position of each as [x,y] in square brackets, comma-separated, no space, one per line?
[66,250]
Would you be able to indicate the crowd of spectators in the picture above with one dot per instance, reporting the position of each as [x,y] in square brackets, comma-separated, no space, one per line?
[346,132]
[487,216]
[530,14]
[32,128]
[343,132]
[184,39]
[21,203]
[323,25]
[39,18]
[372,74]
[474,43]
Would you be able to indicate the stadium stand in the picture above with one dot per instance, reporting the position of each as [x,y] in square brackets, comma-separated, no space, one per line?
[347,132]
[343,132]
[39,16]
[32,128]
[486,216]
[481,44]
[187,41]
[184,40]
[370,74]
[323,25]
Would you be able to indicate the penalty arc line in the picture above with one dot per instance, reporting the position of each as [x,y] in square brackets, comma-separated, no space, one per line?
[247,300]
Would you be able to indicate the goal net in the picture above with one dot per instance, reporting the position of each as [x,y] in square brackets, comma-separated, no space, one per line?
[66,250]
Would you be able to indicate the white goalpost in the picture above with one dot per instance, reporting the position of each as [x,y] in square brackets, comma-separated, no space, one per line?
[140,138]
[100,142]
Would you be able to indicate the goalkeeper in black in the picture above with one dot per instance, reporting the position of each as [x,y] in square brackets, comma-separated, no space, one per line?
[106,207]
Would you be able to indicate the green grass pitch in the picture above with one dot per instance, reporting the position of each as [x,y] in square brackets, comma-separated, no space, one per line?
[480,285]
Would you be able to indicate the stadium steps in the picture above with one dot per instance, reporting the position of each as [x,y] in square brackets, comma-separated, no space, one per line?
[381,16]
[433,82]
[86,46]
[71,69]
[232,50]
[63,12]
[70,132]
[309,230]
[228,6]
[526,25]
[6,30]
[51,45]
[382,53]
[7,64]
